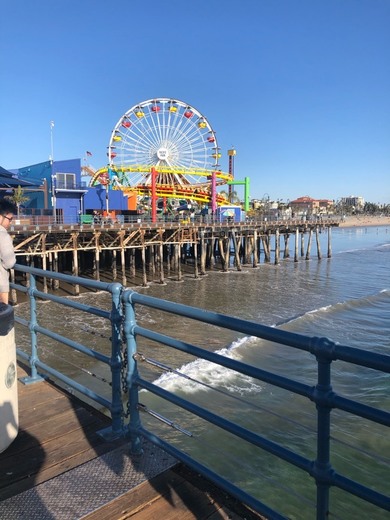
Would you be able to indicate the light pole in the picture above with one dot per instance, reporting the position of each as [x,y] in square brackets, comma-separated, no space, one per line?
[51,141]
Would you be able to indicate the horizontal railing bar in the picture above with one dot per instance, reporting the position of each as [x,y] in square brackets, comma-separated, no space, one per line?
[251,371]
[321,347]
[68,303]
[235,429]
[333,400]
[334,478]
[22,321]
[72,344]
[360,409]
[21,288]
[70,382]
[75,280]
[363,492]
[224,484]
[363,358]
[221,320]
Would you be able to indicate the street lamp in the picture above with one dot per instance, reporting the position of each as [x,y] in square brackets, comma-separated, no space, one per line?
[51,141]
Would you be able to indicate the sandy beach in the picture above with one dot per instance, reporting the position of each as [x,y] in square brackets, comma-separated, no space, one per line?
[365,220]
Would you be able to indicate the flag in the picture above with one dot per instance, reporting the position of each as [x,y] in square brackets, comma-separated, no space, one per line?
[51,124]
[89,153]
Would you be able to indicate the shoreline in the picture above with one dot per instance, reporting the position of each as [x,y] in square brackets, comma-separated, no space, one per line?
[364,221]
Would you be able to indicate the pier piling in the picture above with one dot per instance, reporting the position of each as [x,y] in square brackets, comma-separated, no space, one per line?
[152,249]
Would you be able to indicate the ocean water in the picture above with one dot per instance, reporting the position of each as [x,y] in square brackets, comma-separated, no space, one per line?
[345,298]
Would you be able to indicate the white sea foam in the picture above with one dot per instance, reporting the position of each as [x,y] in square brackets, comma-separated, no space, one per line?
[201,375]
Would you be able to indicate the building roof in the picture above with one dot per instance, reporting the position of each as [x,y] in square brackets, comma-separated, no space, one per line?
[303,200]
[10,180]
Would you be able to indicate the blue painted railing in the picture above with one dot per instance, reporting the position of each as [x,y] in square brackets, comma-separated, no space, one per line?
[125,330]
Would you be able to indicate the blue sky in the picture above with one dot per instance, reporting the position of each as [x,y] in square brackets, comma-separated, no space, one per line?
[300,88]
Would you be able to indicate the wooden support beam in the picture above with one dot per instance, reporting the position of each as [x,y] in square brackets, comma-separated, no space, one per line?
[161,261]
[195,256]
[265,241]
[254,250]
[44,259]
[75,267]
[123,264]
[319,254]
[236,246]
[329,241]
[56,284]
[113,265]
[277,247]
[203,254]
[286,253]
[296,244]
[144,275]
[309,244]
[178,262]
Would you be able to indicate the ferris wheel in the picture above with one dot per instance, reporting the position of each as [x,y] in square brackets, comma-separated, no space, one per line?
[166,135]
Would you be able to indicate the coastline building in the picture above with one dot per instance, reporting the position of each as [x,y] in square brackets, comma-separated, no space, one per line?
[58,189]
[356,203]
[307,206]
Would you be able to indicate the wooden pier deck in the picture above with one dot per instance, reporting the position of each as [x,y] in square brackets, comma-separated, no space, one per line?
[59,467]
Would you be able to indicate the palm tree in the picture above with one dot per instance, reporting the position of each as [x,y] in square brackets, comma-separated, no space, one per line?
[232,197]
[18,198]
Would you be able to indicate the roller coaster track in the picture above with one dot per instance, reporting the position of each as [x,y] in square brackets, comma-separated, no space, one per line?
[181,189]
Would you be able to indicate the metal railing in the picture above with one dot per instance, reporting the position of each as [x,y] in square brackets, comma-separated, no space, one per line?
[89,220]
[126,383]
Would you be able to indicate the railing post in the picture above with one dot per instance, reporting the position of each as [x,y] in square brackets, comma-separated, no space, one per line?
[116,360]
[116,430]
[34,377]
[131,376]
[322,467]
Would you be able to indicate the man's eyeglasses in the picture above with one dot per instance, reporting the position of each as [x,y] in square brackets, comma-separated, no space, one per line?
[8,218]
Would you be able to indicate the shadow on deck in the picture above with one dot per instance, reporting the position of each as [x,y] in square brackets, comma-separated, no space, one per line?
[59,468]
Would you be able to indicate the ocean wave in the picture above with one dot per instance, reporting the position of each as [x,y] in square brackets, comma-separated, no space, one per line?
[347,305]
[360,249]
[203,375]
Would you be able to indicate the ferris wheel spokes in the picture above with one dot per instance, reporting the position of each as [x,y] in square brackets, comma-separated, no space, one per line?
[169,136]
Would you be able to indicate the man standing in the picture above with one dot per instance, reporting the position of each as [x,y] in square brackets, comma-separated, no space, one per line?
[7,254]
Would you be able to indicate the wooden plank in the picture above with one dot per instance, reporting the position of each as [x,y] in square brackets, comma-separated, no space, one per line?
[135,499]
[49,453]
[178,494]
[39,414]
[57,432]
[184,502]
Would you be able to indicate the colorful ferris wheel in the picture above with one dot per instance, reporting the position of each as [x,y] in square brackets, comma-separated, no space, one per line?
[166,143]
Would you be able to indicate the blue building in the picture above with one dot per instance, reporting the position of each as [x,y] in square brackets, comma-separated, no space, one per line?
[60,190]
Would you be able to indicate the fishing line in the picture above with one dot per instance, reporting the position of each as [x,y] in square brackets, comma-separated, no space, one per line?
[238,462]
[86,371]
[167,368]
[93,332]
[368,453]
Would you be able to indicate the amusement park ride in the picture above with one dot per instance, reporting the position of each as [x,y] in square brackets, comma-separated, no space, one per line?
[166,149]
